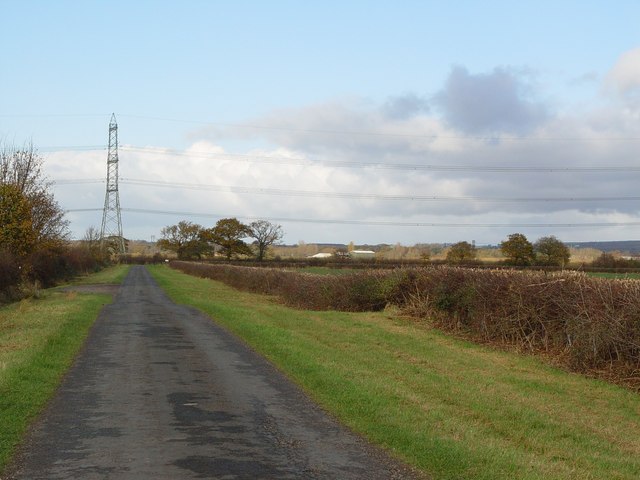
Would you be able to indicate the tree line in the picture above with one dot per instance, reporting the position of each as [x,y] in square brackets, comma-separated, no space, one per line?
[518,251]
[191,241]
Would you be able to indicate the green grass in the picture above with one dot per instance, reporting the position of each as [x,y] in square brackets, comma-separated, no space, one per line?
[453,409]
[39,338]
[624,276]
[327,270]
[113,274]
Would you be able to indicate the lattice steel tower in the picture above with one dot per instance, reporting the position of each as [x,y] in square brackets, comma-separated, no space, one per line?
[111,230]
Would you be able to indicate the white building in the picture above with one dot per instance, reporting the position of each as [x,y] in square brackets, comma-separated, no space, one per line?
[321,255]
[362,254]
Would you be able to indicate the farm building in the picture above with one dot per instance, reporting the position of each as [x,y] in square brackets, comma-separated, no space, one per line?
[362,254]
[321,255]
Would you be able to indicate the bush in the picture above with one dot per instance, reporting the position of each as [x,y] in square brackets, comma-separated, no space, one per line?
[46,267]
[9,276]
[609,261]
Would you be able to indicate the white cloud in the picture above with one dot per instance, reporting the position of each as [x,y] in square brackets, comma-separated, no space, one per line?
[348,147]
[624,78]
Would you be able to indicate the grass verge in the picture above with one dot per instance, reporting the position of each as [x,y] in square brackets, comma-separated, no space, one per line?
[113,274]
[620,276]
[326,270]
[450,408]
[39,338]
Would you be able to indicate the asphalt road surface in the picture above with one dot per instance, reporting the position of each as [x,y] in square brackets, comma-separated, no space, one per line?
[161,392]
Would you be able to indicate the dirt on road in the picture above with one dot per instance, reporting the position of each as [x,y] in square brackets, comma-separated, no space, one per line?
[160,392]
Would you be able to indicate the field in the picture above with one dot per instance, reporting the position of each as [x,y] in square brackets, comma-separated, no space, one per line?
[38,340]
[451,408]
[619,276]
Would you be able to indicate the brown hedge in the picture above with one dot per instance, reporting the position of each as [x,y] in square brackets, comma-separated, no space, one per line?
[588,324]
[365,290]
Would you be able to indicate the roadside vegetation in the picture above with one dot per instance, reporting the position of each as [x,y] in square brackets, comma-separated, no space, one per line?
[449,407]
[34,248]
[584,324]
[39,338]
[111,275]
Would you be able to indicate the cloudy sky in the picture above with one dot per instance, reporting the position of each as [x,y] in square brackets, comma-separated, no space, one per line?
[365,121]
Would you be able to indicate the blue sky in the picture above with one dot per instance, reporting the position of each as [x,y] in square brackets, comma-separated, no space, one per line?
[508,84]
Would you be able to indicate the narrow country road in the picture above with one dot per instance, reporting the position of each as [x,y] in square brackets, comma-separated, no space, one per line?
[161,392]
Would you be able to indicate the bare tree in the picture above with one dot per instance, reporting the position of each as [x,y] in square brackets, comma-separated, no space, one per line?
[22,168]
[265,234]
[91,240]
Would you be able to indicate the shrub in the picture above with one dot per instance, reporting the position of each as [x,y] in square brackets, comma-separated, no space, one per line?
[9,275]
[609,261]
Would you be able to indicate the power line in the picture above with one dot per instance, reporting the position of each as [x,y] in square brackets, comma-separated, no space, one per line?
[77,181]
[370,222]
[362,196]
[54,115]
[382,134]
[64,148]
[330,131]
[367,196]
[314,162]
[381,165]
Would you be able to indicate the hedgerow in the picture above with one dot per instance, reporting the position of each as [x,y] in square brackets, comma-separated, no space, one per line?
[366,290]
[590,325]
[22,276]
[591,322]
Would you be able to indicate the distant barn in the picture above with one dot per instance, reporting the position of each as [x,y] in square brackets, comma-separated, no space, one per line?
[321,255]
[362,254]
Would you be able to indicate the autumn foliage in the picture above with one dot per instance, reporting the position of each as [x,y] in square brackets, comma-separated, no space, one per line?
[33,231]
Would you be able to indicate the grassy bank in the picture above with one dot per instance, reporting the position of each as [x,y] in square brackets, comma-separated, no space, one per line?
[453,409]
[39,339]
[114,274]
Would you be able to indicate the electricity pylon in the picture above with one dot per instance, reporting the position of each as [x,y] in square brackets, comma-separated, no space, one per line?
[111,230]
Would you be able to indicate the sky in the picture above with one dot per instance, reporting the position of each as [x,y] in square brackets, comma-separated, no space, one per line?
[366,121]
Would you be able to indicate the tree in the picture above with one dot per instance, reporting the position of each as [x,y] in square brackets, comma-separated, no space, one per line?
[265,234]
[92,244]
[228,234]
[16,226]
[188,240]
[551,251]
[22,168]
[462,252]
[91,239]
[518,250]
